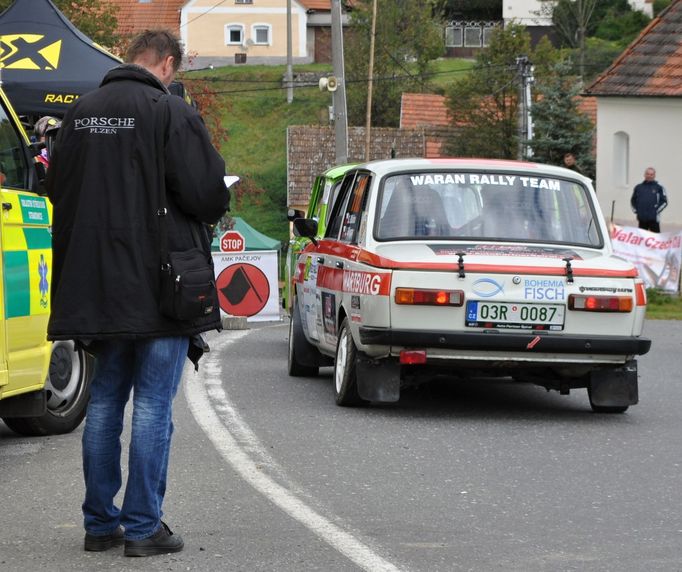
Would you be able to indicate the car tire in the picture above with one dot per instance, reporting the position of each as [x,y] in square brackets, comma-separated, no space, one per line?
[345,372]
[296,342]
[68,391]
[605,408]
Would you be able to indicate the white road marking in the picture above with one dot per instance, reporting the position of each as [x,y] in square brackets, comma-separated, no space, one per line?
[240,447]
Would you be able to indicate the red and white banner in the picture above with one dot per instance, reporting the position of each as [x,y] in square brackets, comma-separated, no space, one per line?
[657,256]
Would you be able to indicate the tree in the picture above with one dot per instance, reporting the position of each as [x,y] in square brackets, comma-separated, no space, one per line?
[407,39]
[484,105]
[95,18]
[559,126]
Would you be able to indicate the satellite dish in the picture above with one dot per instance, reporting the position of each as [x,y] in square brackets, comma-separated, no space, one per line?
[247,44]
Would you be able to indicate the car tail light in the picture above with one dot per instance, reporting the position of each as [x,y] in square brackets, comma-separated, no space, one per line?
[600,303]
[640,294]
[412,357]
[420,296]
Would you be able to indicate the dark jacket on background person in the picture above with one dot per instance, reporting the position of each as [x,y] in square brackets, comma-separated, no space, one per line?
[104,183]
[648,200]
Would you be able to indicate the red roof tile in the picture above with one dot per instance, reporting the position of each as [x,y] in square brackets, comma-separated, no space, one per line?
[652,64]
[422,109]
[134,16]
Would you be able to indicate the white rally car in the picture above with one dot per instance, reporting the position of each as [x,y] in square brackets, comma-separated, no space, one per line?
[466,267]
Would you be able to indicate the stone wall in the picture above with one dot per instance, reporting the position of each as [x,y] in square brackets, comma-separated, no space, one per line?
[311,151]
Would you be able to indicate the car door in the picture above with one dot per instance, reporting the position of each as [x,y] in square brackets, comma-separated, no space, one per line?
[26,265]
[339,252]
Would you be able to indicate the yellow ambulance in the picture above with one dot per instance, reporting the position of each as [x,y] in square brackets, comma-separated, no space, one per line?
[43,386]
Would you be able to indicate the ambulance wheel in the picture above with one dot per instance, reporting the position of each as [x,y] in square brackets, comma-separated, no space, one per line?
[67,388]
[298,346]
[345,373]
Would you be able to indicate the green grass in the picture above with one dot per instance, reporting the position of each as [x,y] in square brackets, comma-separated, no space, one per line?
[663,306]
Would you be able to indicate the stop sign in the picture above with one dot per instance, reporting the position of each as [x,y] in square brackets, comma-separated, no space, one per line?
[232,241]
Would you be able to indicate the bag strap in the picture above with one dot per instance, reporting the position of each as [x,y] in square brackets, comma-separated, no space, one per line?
[162,212]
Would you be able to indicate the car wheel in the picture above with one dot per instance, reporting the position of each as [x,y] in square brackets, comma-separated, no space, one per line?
[345,373]
[296,341]
[68,390]
[605,408]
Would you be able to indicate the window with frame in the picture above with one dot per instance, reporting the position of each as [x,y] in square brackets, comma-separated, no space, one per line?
[234,34]
[339,207]
[357,201]
[13,162]
[261,34]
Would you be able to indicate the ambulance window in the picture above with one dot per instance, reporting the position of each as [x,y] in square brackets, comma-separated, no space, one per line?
[13,163]
[355,207]
[339,207]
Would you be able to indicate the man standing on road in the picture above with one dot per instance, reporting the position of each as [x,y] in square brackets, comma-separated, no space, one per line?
[648,200]
[104,181]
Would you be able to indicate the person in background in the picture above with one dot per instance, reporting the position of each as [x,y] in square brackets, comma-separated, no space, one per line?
[118,147]
[569,162]
[40,129]
[648,200]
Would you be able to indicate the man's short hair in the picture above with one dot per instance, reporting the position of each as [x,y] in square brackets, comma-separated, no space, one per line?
[160,43]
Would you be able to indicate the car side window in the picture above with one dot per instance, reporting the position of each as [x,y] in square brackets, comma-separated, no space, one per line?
[339,207]
[350,223]
[13,162]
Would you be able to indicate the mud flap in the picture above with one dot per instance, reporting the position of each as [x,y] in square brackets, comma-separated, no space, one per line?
[306,353]
[615,387]
[378,379]
[32,404]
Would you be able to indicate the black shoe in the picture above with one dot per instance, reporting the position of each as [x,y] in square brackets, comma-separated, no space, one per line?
[94,543]
[163,541]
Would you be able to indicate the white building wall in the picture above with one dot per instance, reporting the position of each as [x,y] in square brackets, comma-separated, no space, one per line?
[655,140]
[527,12]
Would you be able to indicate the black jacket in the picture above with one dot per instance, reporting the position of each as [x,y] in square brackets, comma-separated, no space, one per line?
[104,181]
[648,200]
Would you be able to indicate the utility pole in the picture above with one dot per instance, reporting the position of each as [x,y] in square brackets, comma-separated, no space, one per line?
[339,97]
[290,74]
[370,83]
[525,118]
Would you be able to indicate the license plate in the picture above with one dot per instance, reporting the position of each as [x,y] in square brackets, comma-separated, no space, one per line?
[514,316]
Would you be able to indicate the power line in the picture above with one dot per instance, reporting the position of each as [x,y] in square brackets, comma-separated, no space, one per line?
[203,13]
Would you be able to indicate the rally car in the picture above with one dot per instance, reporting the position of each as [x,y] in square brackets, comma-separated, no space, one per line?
[466,267]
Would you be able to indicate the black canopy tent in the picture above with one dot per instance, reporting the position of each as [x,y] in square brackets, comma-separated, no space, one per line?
[46,63]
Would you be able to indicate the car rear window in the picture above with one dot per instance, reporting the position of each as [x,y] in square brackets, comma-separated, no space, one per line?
[506,207]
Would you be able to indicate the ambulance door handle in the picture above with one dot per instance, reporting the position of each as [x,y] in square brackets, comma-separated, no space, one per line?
[320,259]
[6,206]
[339,264]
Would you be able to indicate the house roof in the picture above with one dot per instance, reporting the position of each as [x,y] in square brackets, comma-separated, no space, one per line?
[430,110]
[423,109]
[134,16]
[316,4]
[651,65]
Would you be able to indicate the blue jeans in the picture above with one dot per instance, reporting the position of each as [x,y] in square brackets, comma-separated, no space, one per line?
[152,368]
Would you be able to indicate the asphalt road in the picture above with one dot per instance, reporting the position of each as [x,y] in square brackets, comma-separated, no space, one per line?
[268,474]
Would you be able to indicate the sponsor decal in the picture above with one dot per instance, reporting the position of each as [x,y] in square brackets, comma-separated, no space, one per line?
[329,315]
[29,52]
[367,283]
[503,250]
[487,287]
[355,302]
[60,97]
[356,318]
[481,179]
[43,284]
[543,289]
[608,289]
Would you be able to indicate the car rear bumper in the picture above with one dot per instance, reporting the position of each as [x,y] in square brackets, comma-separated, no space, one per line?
[526,342]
